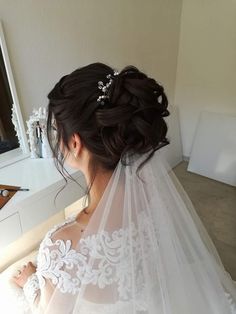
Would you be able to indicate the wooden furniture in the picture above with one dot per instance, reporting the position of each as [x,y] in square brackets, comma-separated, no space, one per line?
[5,199]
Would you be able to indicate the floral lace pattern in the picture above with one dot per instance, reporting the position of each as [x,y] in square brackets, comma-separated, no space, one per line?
[231,302]
[68,268]
[31,288]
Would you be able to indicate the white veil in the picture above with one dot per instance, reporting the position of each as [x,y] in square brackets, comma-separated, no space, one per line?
[145,251]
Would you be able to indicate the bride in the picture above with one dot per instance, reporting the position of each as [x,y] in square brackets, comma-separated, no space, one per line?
[139,246]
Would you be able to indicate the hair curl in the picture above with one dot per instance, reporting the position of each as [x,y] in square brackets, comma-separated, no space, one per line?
[130,121]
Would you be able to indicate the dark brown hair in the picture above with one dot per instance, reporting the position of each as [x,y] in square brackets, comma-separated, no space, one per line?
[130,121]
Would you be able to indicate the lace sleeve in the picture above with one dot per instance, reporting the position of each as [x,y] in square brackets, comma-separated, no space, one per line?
[31,289]
[39,287]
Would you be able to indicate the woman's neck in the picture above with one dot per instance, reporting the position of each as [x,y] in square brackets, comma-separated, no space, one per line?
[98,187]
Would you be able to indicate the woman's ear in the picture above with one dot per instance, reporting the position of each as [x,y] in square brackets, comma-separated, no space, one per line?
[75,144]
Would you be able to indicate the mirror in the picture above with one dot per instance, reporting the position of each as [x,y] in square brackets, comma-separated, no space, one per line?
[13,140]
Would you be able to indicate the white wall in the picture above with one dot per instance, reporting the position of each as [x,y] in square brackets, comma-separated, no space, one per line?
[47,39]
[206,72]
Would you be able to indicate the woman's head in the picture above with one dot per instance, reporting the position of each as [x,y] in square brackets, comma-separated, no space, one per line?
[130,120]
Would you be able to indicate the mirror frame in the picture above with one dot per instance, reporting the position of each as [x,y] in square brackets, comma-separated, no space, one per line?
[23,151]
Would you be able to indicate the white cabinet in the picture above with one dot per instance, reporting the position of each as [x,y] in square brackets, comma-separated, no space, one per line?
[10,229]
[40,209]
[25,210]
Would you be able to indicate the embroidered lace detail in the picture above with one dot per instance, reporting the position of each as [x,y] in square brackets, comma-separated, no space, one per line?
[231,302]
[56,227]
[31,288]
[68,268]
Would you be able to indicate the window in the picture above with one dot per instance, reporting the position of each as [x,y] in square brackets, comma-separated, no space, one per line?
[13,140]
[8,137]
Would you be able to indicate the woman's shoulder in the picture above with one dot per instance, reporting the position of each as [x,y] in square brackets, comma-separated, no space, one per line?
[52,234]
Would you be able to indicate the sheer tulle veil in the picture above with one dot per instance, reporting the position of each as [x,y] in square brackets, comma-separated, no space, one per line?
[149,251]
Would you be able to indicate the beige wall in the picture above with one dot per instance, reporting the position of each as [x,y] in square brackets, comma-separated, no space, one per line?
[206,73]
[47,39]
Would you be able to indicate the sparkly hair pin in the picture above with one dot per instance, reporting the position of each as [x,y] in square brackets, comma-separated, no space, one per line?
[105,88]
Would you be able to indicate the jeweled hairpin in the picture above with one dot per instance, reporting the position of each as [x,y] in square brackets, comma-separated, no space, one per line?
[104,88]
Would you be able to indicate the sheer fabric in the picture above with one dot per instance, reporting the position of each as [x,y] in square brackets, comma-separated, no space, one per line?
[144,251]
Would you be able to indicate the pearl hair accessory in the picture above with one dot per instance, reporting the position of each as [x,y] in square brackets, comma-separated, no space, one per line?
[105,87]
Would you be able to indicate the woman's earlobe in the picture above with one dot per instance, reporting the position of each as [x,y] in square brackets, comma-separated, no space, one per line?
[75,144]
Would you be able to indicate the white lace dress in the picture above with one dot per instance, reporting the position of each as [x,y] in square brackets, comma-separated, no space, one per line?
[54,257]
